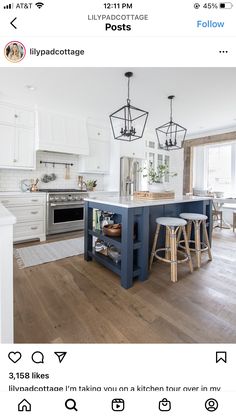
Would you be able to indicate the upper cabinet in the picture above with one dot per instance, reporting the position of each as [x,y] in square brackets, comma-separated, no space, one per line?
[98,160]
[20,117]
[17,137]
[62,133]
[134,148]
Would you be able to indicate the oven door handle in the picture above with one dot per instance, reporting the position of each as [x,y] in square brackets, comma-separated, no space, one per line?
[67,204]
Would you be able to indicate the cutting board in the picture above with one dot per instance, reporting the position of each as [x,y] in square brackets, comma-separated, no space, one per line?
[154,195]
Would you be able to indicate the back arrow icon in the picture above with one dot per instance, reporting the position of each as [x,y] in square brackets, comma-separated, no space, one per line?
[12,24]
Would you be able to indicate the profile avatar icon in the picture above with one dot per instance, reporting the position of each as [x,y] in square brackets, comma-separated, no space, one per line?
[211,405]
[14,51]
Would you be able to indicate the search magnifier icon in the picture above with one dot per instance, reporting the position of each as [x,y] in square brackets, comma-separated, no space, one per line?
[71,404]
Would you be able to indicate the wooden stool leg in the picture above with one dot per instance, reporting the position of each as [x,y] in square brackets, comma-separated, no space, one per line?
[189,229]
[179,236]
[197,238]
[173,254]
[167,244]
[154,245]
[187,249]
[207,239]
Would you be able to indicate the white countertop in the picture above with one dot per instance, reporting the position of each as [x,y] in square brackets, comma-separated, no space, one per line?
[130,202]
[6,217]
[14,193]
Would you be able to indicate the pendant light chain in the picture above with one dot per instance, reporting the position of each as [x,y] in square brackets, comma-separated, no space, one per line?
[128,100]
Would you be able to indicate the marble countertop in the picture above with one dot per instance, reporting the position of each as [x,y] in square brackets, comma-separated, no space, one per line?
[14,193]
[9,193]
[6,217]
[130,202]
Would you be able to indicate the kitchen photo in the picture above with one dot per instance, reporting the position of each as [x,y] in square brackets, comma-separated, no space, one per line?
[118,205]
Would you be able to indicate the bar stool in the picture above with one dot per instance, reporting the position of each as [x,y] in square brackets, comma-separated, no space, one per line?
[197,220]
[173,226]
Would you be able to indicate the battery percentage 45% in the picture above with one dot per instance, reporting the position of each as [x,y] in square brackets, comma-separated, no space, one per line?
[206,6]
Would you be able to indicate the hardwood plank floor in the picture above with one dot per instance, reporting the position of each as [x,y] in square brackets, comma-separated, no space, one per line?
[73,301]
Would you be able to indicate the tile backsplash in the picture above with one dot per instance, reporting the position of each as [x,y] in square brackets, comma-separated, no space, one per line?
[10,178]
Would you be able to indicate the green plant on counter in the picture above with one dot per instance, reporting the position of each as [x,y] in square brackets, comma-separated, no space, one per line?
[157,176]
[90,184]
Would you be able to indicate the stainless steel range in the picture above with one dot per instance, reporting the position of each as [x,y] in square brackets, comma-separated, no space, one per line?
[65,210]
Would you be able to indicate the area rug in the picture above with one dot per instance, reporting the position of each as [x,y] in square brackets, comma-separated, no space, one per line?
[44,253]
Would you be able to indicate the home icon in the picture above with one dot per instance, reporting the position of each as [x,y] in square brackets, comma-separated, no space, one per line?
[24,405]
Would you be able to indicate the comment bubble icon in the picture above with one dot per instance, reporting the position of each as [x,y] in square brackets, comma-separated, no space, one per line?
[38,357]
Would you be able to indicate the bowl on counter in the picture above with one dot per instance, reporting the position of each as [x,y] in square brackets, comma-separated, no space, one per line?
[112,230]
[219,194]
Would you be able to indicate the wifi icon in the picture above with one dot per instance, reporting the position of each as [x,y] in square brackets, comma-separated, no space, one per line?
[39,4]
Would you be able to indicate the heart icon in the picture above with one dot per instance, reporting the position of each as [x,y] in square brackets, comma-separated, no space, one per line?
[14,356]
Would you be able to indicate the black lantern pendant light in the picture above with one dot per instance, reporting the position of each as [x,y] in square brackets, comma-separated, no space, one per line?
[171,136]
[128,123]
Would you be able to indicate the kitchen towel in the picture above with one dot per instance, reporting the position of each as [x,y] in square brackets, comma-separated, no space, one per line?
[44,253]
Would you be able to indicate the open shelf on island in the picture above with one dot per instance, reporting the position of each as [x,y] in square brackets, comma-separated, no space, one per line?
[116,241]
[108,263]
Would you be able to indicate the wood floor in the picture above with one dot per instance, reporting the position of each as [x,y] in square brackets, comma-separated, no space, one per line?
[73,301]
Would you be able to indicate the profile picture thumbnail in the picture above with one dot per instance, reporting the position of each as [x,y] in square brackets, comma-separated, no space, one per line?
[14,51]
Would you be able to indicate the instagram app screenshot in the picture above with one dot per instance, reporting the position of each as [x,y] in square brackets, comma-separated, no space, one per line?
[117,209]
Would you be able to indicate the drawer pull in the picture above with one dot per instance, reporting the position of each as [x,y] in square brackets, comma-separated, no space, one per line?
[34,200]
[34,212]
[34,228]
[5,202]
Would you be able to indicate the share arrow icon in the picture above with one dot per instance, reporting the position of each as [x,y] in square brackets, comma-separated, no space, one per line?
[60,355]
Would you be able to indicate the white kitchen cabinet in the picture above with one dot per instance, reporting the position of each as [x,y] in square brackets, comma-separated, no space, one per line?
[30,212]
[14,115]
[99,133]
[7,141]
[98,160]
[17,137]
[17,147]
[62,133]
[134,148]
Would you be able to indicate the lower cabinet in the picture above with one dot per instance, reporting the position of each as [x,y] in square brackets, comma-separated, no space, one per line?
[30,213]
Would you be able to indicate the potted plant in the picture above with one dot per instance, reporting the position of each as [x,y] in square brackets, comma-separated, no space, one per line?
[156,176]
[91,184]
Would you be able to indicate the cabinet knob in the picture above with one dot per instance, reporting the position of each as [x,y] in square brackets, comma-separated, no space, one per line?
[16,116]
[98,167]
[14,160]
[99,133]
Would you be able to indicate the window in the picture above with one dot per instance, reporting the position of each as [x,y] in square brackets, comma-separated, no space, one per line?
[215,168]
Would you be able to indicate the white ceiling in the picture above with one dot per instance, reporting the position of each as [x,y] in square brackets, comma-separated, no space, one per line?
[205,97]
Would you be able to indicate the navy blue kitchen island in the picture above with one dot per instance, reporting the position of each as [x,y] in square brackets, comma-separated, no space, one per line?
[138,227]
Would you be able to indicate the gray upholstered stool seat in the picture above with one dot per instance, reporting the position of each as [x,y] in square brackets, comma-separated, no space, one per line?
[172,226]
[198,244]
[171,221]
[192,216]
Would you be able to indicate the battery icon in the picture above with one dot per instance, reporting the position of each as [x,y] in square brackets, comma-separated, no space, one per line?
[227,5]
